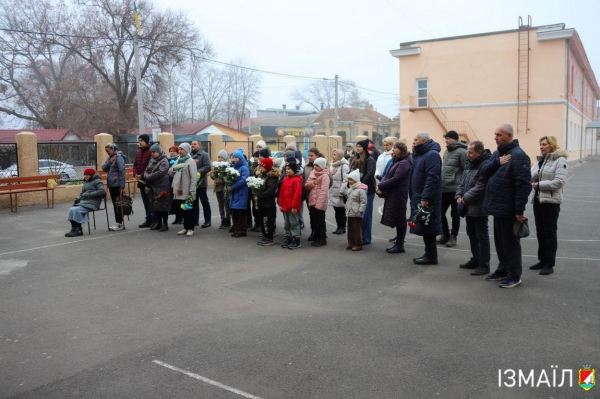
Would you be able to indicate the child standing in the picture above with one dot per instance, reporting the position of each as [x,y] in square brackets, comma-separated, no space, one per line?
[290,199]
[224,211]
[356,204]
[266,200]
[317,186]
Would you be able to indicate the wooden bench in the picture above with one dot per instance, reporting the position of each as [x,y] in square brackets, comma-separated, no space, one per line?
[16,185]
[129,179]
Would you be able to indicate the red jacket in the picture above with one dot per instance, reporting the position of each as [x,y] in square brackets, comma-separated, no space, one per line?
[142,157]
[290,193]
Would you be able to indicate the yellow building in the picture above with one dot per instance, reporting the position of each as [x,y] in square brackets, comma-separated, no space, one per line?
[538,79]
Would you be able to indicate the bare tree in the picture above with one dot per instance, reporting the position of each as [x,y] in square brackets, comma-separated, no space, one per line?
[242,93]
[323,92]
[211,84]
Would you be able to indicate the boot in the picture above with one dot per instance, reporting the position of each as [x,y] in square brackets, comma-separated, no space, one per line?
[146,223]
[156,226]
[222,225]
[336,231]
[286,242]
[76,231]
[396,249]
[342,230]
[72,229]
[547,270]
[443,239]
[451,242]
[311,236]
[538,266]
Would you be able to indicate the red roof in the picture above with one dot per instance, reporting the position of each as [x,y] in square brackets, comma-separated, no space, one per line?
[8,135]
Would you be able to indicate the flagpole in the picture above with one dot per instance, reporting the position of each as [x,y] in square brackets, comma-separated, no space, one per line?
[138,74]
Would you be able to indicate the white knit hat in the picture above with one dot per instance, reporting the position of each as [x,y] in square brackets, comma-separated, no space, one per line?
[354,175]
[261,144]
[320,162]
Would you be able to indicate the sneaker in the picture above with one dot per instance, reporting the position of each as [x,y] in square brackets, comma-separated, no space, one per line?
[295,244]
[261,242]
[510,283]
[267,243]
[471,264]
[442,240]
[163,228]
[496,276]
[451,242]
[480,271]
[189,233]
[117,227]
[182,232]
[286,242]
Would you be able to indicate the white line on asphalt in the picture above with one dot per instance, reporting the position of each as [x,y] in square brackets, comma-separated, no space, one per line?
[67,243]
[570,177]
[206,380]
[493,253]
[380,210]
[591,202]
[581,196]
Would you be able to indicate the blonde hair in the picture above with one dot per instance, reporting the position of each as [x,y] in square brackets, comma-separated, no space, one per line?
[389,140]
[338,152]
[552,142]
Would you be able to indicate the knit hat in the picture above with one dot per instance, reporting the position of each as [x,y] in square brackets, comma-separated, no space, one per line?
[354,175]
[174,148]
[290,160]
[349,145]
[156,148]
[186,147]
[89,171]
[293,165]
[264,153]
[291,146]
[452,135]
[223,154]
[320,162]
[238,153]
[288,153]
[267,163]
[144,137]
[364,144]
[261,144]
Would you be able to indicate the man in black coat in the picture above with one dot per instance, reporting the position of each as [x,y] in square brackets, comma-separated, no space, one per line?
[508,188]
[469,195]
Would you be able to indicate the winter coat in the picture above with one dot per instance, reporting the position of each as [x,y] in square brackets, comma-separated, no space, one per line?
[140,163]
[238,192]
[290,193]
[472,185]
[115,171]
[92,193]
[203,165]
[318,192]
[381,162]
[508,185]
[396,183]
[184,179]
[455,159]
[219,185]
[426,185]
[339,177]
[551,174]
[367,172]
[267,192]
[356,201]
[157,179]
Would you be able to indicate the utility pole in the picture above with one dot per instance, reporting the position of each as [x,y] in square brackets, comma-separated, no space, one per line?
[138,85]
[335,121]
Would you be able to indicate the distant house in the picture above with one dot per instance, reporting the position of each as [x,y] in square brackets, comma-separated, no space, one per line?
[43,135]
[537,79]
[282,112]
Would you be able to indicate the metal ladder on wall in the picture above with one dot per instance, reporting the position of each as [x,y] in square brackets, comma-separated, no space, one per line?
[523,77]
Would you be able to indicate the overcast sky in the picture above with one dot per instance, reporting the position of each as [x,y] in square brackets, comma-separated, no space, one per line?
[352,38]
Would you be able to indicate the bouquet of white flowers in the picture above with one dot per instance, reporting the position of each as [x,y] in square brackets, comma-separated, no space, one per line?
[229,176]
[254,183]
[219,169]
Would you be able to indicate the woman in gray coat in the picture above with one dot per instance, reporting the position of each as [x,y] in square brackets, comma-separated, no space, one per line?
[185,177]
[92,193]
[158,185]
[339,178]
[548,177]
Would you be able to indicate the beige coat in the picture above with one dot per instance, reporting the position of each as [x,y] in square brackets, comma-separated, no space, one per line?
[185,177]
[551,177]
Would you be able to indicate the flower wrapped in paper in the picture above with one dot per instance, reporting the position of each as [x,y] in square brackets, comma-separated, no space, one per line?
[254,183]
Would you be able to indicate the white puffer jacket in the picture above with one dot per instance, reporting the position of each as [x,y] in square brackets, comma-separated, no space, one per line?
[551,177]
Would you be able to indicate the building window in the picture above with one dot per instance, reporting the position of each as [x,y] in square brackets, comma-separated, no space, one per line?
[366,133]
[422,93]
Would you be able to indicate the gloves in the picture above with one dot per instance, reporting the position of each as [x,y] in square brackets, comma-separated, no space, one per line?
[178,166]
[359,215]
[76,201]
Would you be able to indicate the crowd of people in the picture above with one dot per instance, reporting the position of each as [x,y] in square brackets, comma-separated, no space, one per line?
[469,179]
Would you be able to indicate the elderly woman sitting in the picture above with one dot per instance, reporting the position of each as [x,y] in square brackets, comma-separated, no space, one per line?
[90,199]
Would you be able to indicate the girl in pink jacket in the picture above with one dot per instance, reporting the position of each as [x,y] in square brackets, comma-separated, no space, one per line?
[318,199]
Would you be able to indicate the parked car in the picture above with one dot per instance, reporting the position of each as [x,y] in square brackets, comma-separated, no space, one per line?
[46,167]
[277,157]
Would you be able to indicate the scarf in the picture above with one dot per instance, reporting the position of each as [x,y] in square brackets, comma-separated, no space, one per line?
[183,159]
[355,184]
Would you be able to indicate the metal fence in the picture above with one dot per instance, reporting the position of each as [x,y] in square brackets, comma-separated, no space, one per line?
[205,146]
[232,146]
[128,149]
[68,160]
[9,160]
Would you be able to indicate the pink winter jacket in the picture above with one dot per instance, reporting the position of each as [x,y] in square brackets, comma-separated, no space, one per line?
[318,187]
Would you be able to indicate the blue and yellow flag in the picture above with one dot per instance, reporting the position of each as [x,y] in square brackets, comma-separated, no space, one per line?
[137,18]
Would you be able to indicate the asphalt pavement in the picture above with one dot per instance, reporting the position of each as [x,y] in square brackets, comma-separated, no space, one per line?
[143,314]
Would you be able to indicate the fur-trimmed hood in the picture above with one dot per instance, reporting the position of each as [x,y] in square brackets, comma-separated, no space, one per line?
[274,172]
[553,156]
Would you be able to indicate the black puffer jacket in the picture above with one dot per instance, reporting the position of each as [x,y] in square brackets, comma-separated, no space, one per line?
[367,172]
[268,191]
[509,185]
[472,185]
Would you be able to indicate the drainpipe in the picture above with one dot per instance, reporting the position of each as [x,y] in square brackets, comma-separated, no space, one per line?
[567,95]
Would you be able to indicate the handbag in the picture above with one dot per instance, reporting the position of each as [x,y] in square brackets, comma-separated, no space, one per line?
[125,205]
[521,229]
